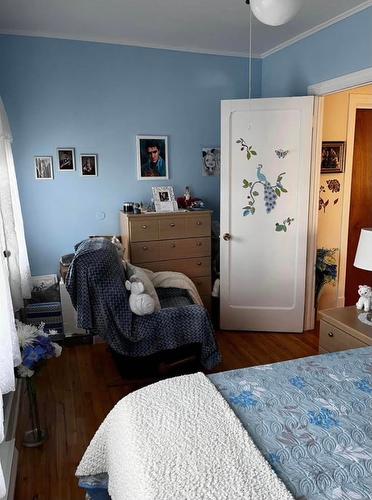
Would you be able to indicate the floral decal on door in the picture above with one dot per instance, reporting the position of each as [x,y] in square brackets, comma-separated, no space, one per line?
[271,192]
[248,149]
[284,225]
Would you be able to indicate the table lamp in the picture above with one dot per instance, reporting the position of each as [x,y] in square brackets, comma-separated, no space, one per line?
[363,260]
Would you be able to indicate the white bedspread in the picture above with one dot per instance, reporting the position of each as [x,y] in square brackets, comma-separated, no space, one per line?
[179,439]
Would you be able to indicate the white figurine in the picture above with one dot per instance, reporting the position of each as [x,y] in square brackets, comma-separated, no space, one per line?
[140,303]
[365,299]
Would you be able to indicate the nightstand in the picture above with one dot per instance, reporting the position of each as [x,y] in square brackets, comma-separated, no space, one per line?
[340,329]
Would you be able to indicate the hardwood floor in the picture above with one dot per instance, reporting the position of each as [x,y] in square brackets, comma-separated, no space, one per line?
[77,390]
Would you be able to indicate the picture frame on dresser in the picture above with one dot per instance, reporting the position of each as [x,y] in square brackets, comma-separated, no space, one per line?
[164,199]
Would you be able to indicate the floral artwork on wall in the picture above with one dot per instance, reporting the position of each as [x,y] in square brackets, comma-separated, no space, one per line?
[334,186]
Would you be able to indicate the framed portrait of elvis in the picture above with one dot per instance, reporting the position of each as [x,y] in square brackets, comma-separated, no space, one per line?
[152,157]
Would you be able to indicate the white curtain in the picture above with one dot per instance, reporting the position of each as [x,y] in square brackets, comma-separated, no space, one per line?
[9,350]
[15,277]
[12,235]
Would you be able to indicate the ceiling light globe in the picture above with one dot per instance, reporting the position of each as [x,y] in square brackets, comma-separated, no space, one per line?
[275,12]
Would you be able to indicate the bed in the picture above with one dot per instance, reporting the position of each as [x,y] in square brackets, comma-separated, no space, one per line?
[310,419]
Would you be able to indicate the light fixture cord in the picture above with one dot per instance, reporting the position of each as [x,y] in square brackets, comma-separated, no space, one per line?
[250,54]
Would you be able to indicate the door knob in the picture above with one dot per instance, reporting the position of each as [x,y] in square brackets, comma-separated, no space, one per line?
[227,237]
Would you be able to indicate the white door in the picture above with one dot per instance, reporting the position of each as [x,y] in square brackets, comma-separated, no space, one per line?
[265,179]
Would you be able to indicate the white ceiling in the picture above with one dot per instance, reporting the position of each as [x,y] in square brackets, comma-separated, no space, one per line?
[211,26]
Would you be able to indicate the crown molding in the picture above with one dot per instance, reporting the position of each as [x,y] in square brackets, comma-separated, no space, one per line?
[317,28]
[356,79]
[195,50]
[129,43]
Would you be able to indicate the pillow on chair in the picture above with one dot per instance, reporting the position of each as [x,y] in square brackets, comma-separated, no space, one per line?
[135,273]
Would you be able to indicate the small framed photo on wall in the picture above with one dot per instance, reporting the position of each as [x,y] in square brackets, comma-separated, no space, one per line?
[66,159]
[164,199]
[333,157]
[43,167]
[211,161]
[152,157]
[88,164]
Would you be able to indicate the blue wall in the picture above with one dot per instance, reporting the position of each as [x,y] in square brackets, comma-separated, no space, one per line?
[96,98]
[342,48]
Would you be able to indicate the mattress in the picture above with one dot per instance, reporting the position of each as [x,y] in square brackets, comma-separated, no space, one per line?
[311,418]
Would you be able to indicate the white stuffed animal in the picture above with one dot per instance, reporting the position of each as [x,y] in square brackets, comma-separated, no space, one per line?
[365,300]
[140,303]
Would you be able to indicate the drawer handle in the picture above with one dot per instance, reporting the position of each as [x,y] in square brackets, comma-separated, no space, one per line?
[145,248]
[172,224]
[173,245]
[199,263]
[144,226]
[331,334]
[199,223]
[199,243]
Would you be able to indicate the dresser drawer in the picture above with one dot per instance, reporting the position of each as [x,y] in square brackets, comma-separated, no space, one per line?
[332,339]
[169,249]
[144,230]
[172,227]
[203,285]
[200,225]
[199,266]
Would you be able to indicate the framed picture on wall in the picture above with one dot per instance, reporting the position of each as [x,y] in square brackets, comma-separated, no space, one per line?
[152,157]
[66,159]
[333,157]
[164,199]
[88,165]
[211,161]
[43,167]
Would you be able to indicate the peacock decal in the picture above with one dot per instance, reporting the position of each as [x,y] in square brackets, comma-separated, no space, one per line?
[271,191]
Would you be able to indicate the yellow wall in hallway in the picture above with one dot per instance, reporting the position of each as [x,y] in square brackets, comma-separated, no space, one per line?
[335,122]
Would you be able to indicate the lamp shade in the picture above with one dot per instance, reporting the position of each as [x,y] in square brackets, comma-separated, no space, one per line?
[275,12]
[363,256]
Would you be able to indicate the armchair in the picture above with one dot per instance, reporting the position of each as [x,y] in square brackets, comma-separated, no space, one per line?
[96,283]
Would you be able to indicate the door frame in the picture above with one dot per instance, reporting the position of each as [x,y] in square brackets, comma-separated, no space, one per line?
[356,101]
[321,89]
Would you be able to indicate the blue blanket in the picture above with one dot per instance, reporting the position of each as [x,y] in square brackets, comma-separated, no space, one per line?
[312,420]
[96,284]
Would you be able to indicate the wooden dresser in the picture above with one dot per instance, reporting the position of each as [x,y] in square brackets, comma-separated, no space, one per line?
[179,241]
[340,329]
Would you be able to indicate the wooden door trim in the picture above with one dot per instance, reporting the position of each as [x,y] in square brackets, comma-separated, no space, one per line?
[316,155]
[356,101]
[343,82]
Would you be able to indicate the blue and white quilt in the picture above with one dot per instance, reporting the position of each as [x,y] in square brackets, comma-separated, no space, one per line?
[311,418]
